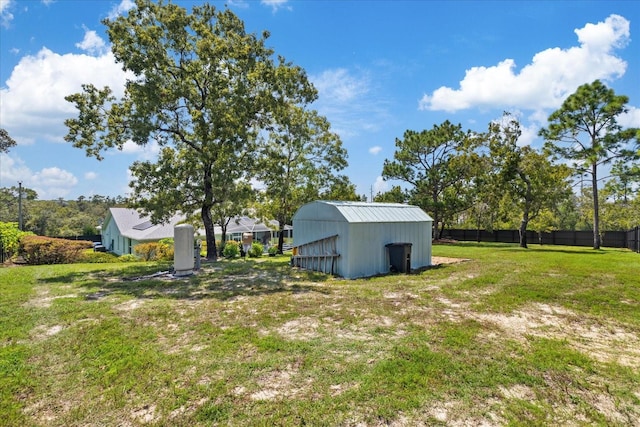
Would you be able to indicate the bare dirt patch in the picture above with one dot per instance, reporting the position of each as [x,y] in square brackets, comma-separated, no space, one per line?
[601,341]
[440,260]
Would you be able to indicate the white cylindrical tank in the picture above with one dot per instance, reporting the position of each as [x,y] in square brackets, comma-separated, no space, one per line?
[183,249]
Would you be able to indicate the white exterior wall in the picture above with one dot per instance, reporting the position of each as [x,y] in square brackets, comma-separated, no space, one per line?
[361,245]
[121,244]
[110,233]
[368,255]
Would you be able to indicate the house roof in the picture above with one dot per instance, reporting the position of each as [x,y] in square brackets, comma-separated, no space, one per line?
[244,224]
[361,212]
[139,227]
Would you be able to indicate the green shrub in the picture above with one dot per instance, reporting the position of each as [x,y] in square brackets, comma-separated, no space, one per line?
[48,250]
[256,250]
[154,251]
[127,258]
[90,256]
[231,249]
[273,250]
[10,236]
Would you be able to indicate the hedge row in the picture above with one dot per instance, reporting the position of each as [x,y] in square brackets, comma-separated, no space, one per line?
[48,250]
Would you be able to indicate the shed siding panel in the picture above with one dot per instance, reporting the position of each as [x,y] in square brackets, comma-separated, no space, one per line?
[363,231]
[368,255]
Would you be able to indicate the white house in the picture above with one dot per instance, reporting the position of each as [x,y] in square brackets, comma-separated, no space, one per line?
[351,239]
[124,228]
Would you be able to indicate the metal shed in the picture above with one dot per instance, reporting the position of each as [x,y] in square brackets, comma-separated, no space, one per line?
[351,239]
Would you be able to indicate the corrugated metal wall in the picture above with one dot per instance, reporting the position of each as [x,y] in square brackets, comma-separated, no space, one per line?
[362,245]
[368,255]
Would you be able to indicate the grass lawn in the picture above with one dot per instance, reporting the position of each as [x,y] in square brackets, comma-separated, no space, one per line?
[544,336]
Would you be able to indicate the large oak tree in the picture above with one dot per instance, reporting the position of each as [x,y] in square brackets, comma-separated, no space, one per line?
[203,88]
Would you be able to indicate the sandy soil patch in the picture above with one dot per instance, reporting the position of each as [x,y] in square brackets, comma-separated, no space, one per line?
[440,260]
[605,343]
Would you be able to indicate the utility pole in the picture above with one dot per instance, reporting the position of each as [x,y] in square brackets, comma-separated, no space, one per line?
[20,205]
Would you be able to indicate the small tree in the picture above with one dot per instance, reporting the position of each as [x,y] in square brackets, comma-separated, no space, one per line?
[439,169]
[585,131]
[297,162]
[524,175]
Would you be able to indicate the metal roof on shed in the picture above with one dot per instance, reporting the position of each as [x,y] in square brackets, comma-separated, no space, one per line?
[362,212]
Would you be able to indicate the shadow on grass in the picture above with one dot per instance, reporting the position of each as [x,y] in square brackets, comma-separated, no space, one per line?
[556,249]
[532,247]
[222,280]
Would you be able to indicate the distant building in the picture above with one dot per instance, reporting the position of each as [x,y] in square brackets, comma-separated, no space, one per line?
[124,228]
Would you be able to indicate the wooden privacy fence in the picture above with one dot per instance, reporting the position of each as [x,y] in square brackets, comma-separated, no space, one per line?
[612,239]
[319,255]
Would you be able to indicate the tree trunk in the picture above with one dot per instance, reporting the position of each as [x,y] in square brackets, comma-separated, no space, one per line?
[523,232]
[281,239]
[205,213]
[596,207]
[209,229]
[223,239]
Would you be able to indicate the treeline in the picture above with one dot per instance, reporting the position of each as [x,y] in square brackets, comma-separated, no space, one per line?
[59,218]
[494,180]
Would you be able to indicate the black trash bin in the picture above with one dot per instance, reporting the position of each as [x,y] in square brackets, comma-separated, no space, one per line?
[400,257]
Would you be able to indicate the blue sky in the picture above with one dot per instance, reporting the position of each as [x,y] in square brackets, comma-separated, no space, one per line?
[381,67]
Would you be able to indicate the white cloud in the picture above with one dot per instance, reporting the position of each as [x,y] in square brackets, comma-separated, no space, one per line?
[92,43]
[552,74]
[375,150]
[57,182]
[630,119]
[148,151]
[49,183]
[33,104]
[380,186]
[345,98]
[339,86]
[121,8]
[5,16]
[90,176]
[275,5]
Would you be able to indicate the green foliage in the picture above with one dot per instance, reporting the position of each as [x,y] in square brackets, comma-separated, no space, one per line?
[395,195]
[128,258]
[440,167]
[154,251]
[90,256]
[6,141]
[585,131]
[256,250]
[105,257]
[298,162]
[55,218]
[46,250]
[10,237]
[231,249]
[273,250]
[528,181]
[204,89]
